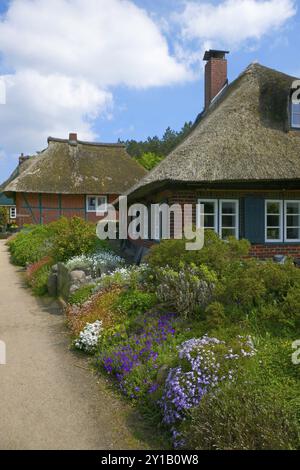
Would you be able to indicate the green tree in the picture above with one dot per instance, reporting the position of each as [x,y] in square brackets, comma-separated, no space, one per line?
[3,218]
[149,160]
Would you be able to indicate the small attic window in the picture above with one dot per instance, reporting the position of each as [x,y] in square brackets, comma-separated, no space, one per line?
[295,115]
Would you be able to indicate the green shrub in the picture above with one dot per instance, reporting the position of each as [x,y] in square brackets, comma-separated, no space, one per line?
[215,315]
[40,282]
[291,308]
[244,416]
[216,253]
[188,290]
[81,295]
[279,279]
[37,275]
[30,245]
[62,240]
[135,302]
[4,219]
[73,237]
[259,410]
[242,286]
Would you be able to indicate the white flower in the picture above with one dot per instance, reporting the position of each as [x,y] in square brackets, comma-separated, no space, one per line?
[96,263]
[88,338]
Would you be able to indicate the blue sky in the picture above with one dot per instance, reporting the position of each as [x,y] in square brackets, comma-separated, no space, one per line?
[112,69]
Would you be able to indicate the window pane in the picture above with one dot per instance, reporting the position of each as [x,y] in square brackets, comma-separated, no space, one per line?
[101,202]
[209,207]
[273,221]
[293,208]
[228,221]
[273,233]
[273,208]
[293,234]
[293,221]
[91,203]
[228,208]
[209,221]
[228,232]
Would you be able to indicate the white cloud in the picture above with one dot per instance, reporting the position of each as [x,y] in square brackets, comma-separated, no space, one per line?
[65,57]
[41,105]
[232,22]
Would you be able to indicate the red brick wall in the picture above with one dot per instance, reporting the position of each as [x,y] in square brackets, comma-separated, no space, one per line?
[53,207]
[269,251]
[191,196]
[215,78]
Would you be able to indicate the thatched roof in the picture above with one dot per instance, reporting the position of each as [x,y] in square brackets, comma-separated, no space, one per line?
[243,136]
[77,168]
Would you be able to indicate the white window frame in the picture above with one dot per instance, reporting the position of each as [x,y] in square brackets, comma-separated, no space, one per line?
[281,220]
[216,207]
[237,218]
[286,239]
[96,211]
[12,213]
[293,114]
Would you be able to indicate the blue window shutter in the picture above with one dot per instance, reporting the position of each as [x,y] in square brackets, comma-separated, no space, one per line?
[254,217]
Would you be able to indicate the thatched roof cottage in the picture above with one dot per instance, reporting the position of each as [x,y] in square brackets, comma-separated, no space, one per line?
[71,178]
[241,160]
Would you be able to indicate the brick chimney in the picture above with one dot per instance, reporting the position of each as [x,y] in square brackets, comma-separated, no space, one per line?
[215,74]
[73,138]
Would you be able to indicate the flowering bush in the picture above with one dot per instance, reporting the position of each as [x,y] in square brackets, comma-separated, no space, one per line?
[103,262]
[188,290]
[203,364]
[37,275]
[125,276]
[100,306]
[88,338]
[133,358]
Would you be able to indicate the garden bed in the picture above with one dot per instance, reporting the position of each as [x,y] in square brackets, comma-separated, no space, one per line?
[194,339]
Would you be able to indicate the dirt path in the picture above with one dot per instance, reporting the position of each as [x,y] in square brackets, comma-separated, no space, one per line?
[48,398]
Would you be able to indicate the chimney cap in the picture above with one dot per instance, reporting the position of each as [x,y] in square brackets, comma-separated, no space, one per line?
[215,54]
[73,137]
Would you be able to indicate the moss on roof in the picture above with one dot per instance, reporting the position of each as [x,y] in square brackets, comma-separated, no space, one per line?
[242,136]
[84,168]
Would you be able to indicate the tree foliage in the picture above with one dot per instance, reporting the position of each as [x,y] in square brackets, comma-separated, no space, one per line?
[151,151]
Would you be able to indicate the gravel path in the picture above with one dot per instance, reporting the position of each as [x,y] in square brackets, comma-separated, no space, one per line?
[49,399]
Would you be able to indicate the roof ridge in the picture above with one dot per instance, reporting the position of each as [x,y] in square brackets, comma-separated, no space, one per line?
[82,142]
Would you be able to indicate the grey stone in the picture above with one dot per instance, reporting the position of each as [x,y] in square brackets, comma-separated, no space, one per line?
[73,288]
[63,281]
[52,285]
[78,277]
[54,269]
